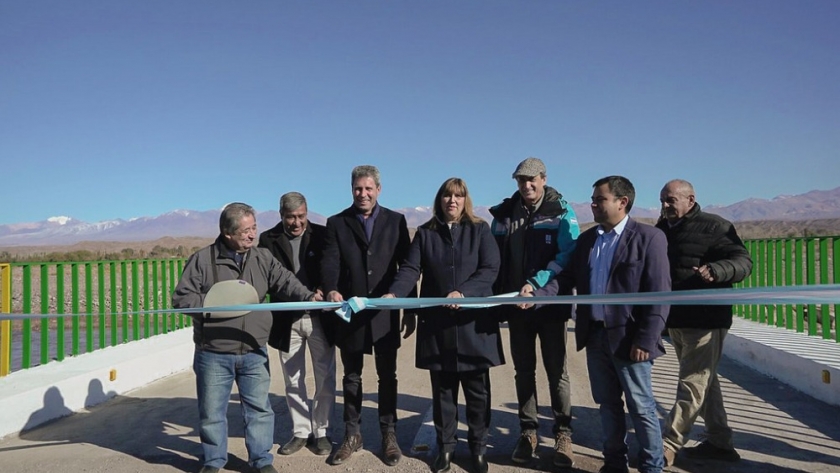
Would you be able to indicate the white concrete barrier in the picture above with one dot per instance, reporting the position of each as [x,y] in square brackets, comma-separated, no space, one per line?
[801,361]
[31,397]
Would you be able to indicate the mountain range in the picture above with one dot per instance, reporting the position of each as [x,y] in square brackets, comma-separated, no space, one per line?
[816,204]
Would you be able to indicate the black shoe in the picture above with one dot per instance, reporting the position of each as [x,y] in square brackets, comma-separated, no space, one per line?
[322,446]
[391,452]
[613,469]
[525,447]
[443,462]
[293,446]
[479,464]
[350,445]
[707,451]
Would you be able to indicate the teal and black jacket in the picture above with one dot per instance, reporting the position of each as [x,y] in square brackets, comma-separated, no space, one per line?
[551,234]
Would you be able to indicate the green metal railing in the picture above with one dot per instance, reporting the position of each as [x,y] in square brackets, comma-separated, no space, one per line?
[87,298]
[89,295]
[794,262]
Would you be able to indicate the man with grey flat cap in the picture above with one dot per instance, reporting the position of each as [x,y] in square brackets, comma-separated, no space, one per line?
[233,349]
[536,230]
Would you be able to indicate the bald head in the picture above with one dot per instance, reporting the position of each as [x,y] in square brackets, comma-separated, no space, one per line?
[677,199]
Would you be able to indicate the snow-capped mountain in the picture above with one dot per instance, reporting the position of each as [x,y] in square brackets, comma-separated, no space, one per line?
[64,230]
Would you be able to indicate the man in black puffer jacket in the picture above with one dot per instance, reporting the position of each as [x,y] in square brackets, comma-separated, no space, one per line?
[705,252]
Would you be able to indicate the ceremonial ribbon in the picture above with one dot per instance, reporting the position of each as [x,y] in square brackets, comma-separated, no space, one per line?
[794,295]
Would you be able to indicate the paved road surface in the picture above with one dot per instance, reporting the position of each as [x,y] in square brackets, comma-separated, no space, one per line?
[778,430]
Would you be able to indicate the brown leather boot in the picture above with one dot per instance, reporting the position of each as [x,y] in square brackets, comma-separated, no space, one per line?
[391,452]
[350,445]
[526,447]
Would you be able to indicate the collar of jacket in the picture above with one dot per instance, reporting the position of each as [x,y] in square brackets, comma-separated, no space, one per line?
[223,250]
[553,204]
[662,223]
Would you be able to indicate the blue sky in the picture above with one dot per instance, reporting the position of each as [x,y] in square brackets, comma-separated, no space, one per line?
[119,109]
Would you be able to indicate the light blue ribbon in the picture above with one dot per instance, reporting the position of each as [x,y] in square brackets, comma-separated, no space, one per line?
[789,295]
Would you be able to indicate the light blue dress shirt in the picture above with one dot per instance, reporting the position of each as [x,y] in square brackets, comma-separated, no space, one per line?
[600,262]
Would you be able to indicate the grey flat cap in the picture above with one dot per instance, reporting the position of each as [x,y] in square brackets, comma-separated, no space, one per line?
[530,167]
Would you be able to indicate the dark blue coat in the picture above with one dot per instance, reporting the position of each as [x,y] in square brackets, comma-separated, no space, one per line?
[355,267]
[640,264]
[464,258]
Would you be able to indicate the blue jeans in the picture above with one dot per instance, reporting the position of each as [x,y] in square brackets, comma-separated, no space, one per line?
[610,377]
[215,374]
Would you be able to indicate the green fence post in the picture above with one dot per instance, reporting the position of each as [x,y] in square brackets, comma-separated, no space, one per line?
[834,252]
[181,316]
[124,293]
[800,280]
[811,265]
[59,306]
[112,267]
[825,318]
[789,272]
[135,300]
[779,273]
[45,309]
[26,342]
[164,300]
[88,308]
[74,306]
[146,305]
[172,280]
[752,309]
[156,295]
[100,272]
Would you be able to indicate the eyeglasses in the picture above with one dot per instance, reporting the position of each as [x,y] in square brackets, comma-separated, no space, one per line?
[247,231]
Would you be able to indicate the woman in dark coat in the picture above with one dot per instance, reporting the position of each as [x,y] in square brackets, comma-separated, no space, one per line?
[457,256]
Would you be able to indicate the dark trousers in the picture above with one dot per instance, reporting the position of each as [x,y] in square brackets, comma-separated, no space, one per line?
[476,386]
[524,328]
[386,370]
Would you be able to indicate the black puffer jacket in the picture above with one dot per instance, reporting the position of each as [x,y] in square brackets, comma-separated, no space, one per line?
[703,238]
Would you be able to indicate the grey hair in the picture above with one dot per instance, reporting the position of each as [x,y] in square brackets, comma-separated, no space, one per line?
[365,171]
[231,215]
[291,201]
[684,186]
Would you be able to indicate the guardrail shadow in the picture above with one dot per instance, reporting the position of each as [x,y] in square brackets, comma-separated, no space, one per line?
[155,430]
[773,424]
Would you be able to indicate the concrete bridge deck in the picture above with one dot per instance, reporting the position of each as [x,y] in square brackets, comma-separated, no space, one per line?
[152,429]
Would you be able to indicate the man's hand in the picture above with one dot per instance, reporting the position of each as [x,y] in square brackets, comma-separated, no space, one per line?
[705,272]
[454,295]
[317,296]
[638,353]
[409,324]
[526,291]
[334,296]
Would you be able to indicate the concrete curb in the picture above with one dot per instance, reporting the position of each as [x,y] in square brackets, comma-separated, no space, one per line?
[29,398]
[801,361]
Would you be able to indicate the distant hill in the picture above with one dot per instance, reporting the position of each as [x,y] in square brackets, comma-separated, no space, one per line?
[806,210]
